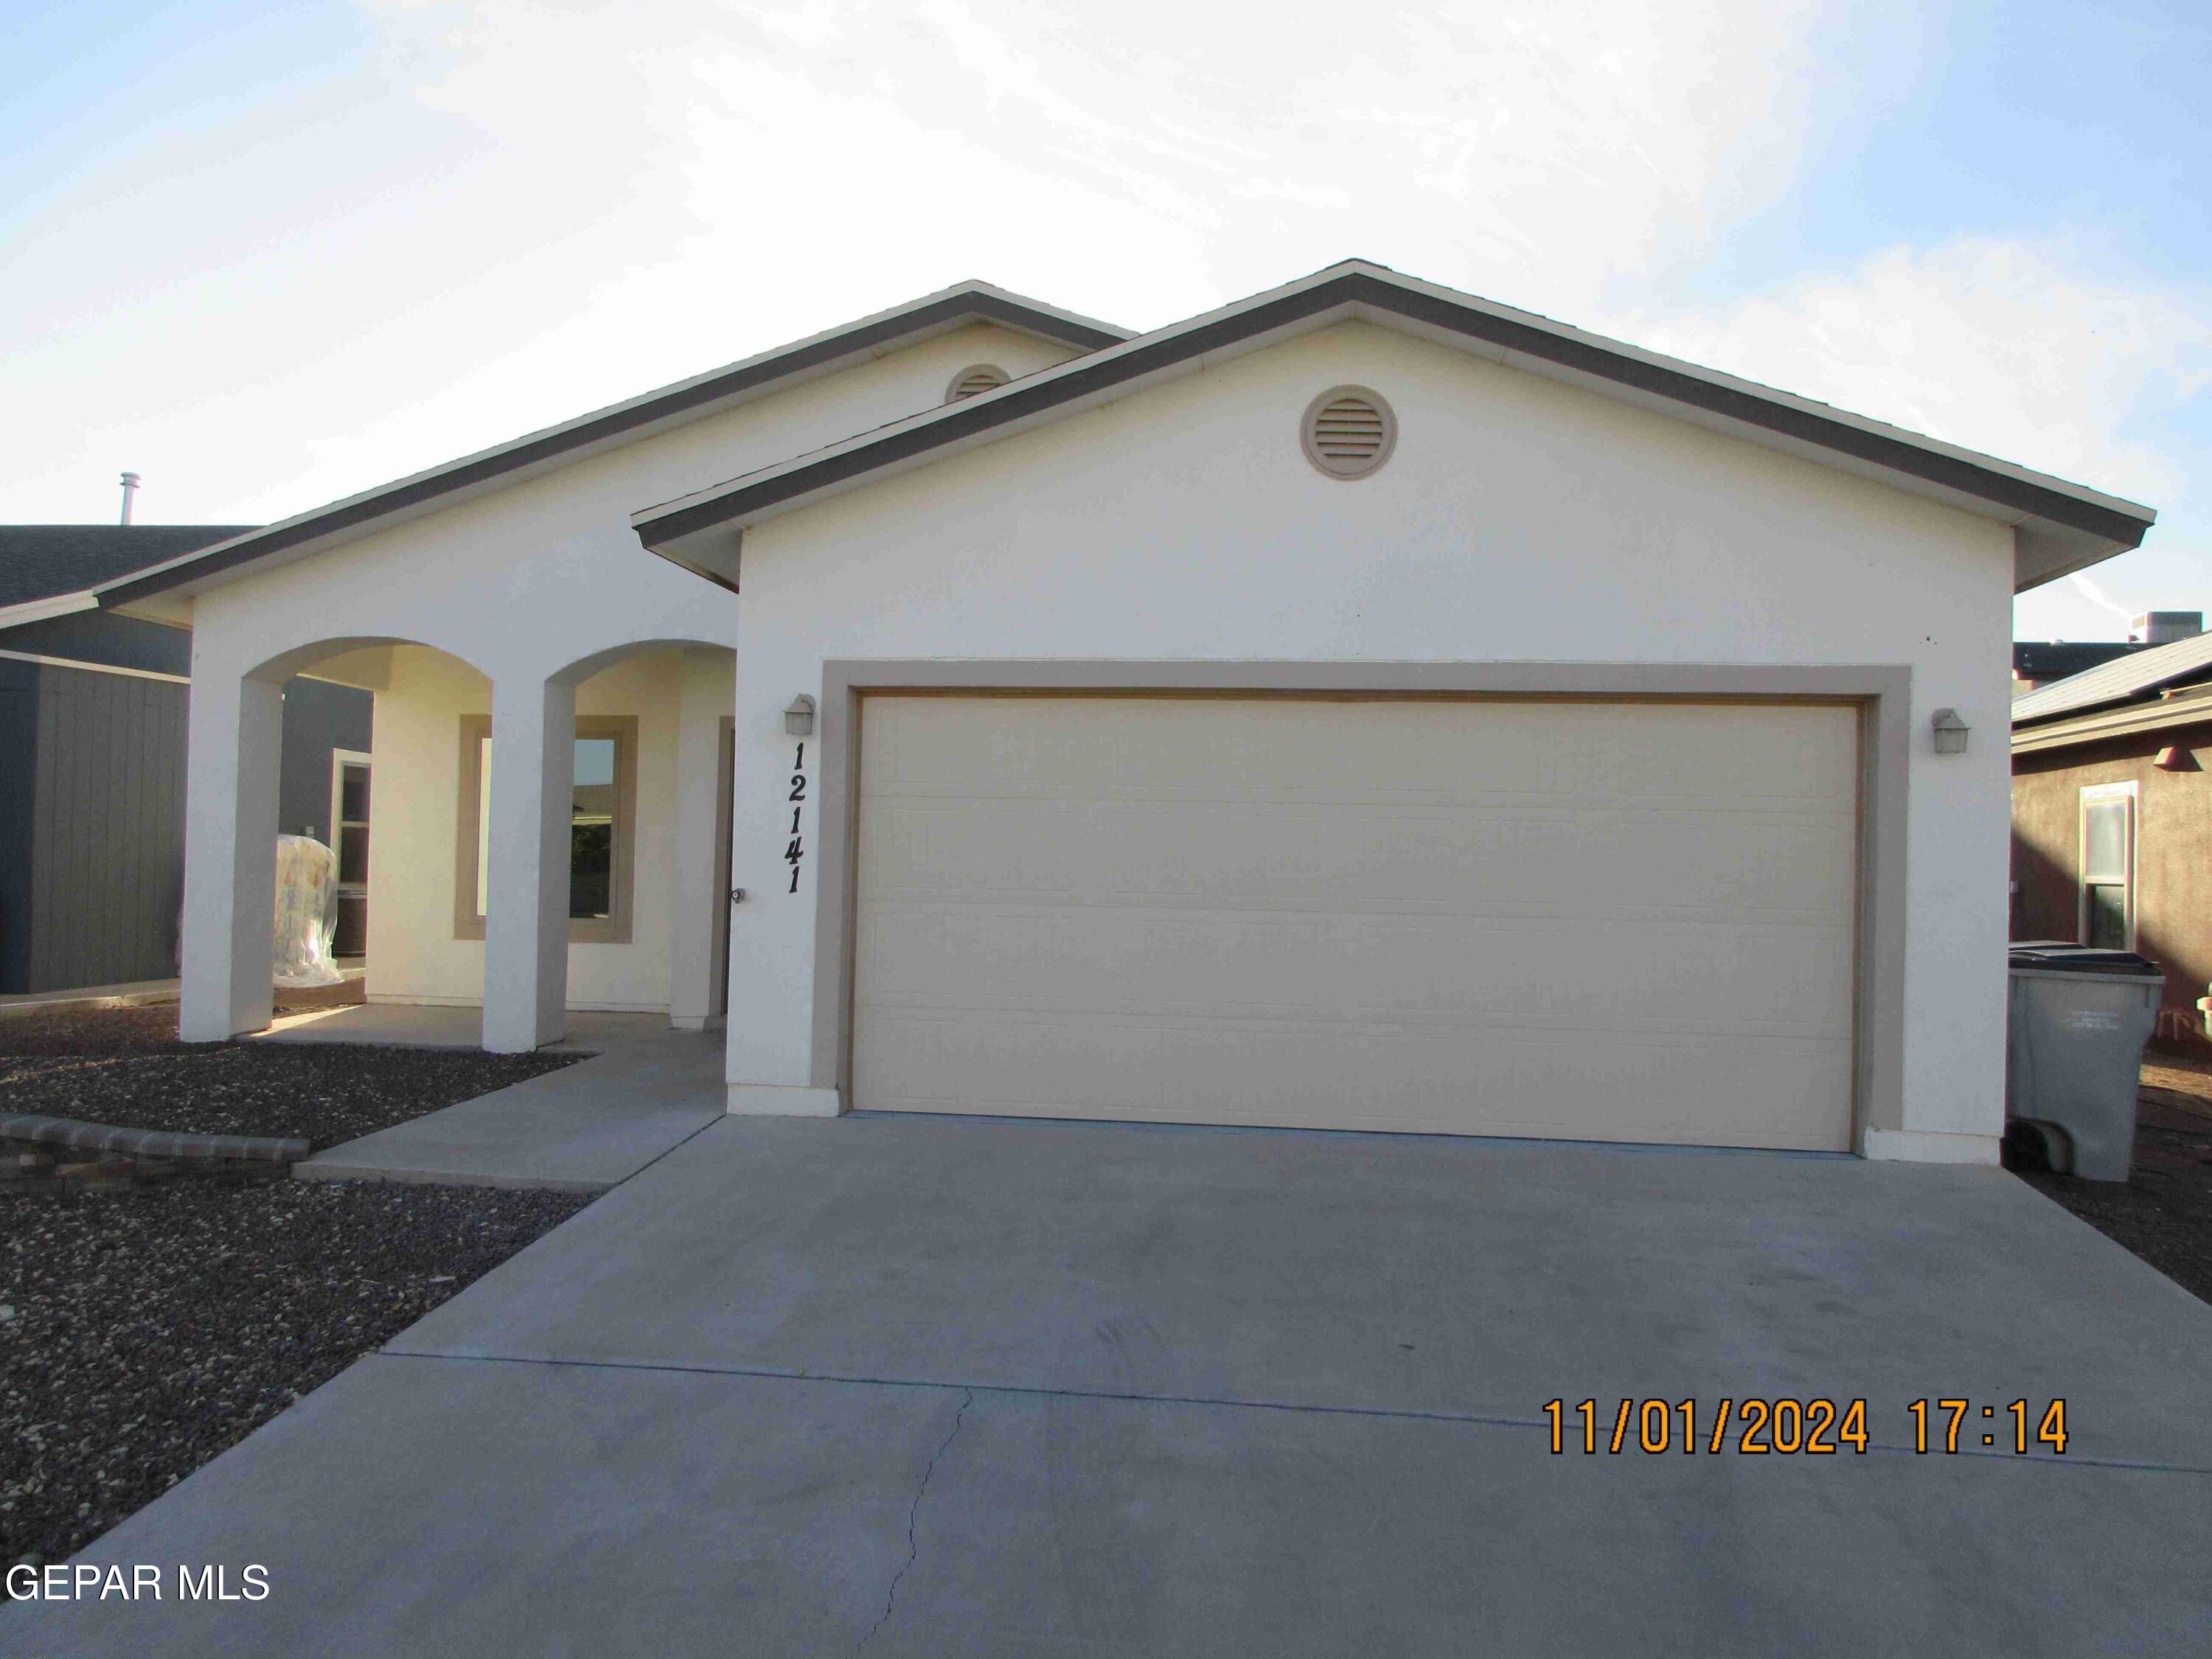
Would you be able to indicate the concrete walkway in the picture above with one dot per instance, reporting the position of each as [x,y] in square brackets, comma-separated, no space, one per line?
[926,1386]
[582,1128]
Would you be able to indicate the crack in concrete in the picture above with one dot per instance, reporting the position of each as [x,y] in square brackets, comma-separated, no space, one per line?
[1122,1396]
[913,1549]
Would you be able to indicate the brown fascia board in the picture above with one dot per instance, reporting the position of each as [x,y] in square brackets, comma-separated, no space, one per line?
[1084,380]
[953,309]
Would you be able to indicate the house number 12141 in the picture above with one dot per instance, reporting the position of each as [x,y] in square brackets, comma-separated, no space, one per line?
[796,853]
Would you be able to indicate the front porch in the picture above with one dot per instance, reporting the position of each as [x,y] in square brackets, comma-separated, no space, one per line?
[564,886]
[421,1025]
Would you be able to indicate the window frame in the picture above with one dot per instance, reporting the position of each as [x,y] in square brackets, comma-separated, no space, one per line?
[356,892]
[613,928]
[2093,794]
[340,759]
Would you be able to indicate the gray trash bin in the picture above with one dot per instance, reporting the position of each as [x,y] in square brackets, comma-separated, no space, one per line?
[2077,1022]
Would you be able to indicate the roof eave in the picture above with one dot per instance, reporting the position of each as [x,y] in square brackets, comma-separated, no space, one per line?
[2063,526]
[2096,724]
[454,482]
[27,612]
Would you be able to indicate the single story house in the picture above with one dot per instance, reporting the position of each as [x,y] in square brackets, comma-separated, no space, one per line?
[2111,818]
[92,761]
[1362,705]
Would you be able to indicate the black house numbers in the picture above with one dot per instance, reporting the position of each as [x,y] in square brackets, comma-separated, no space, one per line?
[795,854]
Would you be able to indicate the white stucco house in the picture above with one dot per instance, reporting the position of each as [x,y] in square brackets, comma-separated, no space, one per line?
[1362,705]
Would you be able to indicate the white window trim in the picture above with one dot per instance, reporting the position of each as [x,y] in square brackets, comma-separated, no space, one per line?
[2130,793]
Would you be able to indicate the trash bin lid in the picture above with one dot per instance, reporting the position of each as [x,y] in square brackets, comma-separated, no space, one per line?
[2061,955]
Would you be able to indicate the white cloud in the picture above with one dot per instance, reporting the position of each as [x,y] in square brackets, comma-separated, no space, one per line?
[2011,348]
[2021,349]
[514,211]
[1158,157]
[510,211]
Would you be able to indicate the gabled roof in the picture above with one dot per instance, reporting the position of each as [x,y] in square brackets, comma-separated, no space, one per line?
[2124,679]
[703,394]
[52,568]
[2063,527]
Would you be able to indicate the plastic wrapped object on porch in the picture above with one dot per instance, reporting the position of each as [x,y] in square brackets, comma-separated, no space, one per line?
[306,913]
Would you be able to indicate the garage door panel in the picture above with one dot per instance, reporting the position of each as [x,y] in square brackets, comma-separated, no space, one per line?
[1232,854]
[1521,752]
[1627,921]
[1337,968]
[1413,1079]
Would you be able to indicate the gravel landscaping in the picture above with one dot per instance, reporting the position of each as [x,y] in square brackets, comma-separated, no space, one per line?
[151,1321]
[2163,1211]
[124,1067]
[143,1332]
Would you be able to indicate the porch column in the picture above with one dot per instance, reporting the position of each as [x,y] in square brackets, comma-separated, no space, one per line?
[230,856]
[533,765]
[697,909]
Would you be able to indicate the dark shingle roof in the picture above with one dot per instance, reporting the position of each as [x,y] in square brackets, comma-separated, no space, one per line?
[38,560]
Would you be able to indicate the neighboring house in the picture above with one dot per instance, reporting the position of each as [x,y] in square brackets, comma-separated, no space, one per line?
[2037,663]
[93,711]
[1362,705]
[2112,815]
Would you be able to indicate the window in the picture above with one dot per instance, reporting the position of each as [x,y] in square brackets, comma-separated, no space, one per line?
[2108,866]
[349,840]
[602,828]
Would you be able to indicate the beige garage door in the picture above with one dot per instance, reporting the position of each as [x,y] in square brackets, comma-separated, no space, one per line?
[1582,920]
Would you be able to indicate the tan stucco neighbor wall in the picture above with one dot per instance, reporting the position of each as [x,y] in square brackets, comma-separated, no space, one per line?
[2173,856]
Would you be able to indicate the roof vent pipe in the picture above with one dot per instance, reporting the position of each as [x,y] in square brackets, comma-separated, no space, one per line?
[130,490]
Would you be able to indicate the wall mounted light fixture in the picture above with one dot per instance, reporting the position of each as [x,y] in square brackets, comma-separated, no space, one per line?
[798,719]
[1950,732]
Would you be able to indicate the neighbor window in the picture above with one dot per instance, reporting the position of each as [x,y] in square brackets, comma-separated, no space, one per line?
[2108,866]
[602,811]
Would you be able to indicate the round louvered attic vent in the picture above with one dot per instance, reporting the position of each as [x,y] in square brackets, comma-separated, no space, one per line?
[1348,432]
[979,377]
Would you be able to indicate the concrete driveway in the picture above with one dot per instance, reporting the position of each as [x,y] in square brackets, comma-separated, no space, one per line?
[908,1386]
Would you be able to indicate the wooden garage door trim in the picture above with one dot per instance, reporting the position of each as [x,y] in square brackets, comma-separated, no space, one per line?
[1882,692]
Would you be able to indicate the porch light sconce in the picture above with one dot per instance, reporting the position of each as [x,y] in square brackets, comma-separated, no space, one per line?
[1950,733]
[798,719]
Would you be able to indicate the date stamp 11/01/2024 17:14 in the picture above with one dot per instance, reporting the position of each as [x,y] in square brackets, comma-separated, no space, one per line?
[1804,1427]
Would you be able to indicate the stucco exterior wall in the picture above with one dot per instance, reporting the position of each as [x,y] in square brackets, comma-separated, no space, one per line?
[530,578]
[1519,519]
[2173,856]
[413,954]
[540,582]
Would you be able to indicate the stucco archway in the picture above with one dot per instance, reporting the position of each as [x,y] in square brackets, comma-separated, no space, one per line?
[302,743]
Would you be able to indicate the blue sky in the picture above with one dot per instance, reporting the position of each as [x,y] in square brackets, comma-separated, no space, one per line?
[269,256]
